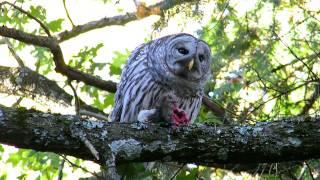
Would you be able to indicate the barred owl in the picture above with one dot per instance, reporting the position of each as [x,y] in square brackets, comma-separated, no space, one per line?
[174,67]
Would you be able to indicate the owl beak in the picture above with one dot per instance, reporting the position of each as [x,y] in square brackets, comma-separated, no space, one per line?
[190,64]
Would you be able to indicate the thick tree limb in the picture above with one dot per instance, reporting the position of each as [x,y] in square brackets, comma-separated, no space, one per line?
[27,83]
[278,141]
[74,74]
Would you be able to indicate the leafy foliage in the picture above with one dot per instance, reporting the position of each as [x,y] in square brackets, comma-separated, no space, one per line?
[46,163]
[117,62]
[254,52]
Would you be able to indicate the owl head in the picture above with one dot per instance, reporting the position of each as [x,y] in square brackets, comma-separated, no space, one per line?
[182,59]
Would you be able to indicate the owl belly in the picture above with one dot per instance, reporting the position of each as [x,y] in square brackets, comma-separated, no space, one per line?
[148,94]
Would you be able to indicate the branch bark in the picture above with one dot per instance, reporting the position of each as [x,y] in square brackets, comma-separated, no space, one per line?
[286,140]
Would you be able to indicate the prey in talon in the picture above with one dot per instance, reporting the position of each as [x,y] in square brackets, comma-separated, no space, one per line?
[167,113]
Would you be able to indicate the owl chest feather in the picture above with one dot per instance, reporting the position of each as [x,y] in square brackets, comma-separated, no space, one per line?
[144,91]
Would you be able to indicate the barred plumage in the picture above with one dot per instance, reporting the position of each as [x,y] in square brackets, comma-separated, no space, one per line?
[176,64]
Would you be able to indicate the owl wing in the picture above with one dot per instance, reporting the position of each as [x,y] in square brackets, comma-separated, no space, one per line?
[115,116]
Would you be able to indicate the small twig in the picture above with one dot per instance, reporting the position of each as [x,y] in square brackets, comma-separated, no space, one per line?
[296,56]
[276,167]
[221,15]
[92,114]
[310,102]
[263,169]
[76,99]
[79,133]
[15,55]
[30,16]
[302,171]
[89,145]
[60,175]
[111,172]
[270,168]
[17,102]
[67,13]
[310,171]
[80,167]
[176,173]
[216,109]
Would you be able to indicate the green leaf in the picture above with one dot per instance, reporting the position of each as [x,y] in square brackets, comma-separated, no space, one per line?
[38,11]
[46,163]
[55,25]
[3,176]
[108,100]
[188,174]
[22,177]
[14,159]
[84,60]
[118,61]
[134,171]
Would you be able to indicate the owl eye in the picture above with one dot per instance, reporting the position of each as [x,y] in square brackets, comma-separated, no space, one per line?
[201,57]
[183,51]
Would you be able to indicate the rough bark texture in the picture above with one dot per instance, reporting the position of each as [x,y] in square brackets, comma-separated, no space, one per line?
[291,139]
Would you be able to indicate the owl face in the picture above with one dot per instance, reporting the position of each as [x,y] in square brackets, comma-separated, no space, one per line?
[188,58]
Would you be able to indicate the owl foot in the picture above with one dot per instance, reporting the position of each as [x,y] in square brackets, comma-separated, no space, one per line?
[146,115]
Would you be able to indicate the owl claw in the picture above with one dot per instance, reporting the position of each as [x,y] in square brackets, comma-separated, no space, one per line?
[146,115]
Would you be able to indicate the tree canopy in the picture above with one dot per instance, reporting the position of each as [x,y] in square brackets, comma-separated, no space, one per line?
[61,61]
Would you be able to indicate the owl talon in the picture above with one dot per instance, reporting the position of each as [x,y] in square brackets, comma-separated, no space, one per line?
[146,115]
[141,125]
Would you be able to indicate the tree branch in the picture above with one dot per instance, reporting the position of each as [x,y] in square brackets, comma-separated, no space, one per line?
[27,83]
[80,29]
[14,54]
[313,98]
[278,141]
[67,12]
[115,20]
[43,26]
[61,67]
